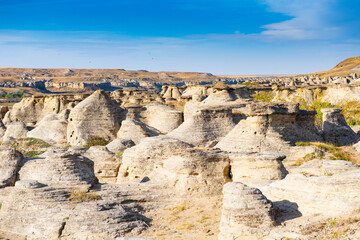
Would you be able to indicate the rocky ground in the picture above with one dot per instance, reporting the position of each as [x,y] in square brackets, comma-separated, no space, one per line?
[203,162]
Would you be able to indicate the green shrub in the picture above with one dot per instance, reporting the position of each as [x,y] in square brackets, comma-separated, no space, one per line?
[34,141]
[264,96]
[17,94]
[96,141]
[32,154]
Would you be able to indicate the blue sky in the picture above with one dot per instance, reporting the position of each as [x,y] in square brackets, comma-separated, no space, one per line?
[221,37]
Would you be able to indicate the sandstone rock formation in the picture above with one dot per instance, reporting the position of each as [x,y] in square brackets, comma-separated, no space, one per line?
[161,117]
[52,129]
[257,166]
[335,128]
[9,165]
[246,213]
[325,167]
[135,131]
[2,128]
[59,169]
[139,161]
[271,128]
[96,116]
[205,126]
[331,195]
[31,110]
[15,130]
[119,145]
[106,164]
[194,172]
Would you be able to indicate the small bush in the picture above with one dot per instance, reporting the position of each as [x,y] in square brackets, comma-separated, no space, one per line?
[264,96]
[33,141]
[96,141]
[82,196]
[32,154]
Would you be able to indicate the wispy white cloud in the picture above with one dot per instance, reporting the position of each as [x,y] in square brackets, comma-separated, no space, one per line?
[310,20]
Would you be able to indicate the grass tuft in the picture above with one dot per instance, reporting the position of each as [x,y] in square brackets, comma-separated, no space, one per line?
[83,196]
[96,141]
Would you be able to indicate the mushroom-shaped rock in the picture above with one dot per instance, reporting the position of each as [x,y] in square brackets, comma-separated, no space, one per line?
[257,166]
[205,126]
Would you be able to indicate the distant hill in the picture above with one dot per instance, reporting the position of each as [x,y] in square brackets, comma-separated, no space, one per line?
[66,74]
[344,68]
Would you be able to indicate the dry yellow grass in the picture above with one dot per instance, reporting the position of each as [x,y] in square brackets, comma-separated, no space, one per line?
[344,68]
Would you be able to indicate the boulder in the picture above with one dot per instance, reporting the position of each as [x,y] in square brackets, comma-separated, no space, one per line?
[119,145]
[246,214]
[15,130]
[135,131]
[161,117]
[139,161]
[335,129]
[61,169]
[51,129]
[96,116]
[9,165]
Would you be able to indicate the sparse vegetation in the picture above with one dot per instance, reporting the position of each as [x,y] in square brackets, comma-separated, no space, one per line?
[32,154]
[96,141]
[184,226]
[350,109]
[248,83]
[17,94]
[332,228]
[264,96]
[38,142]
[30,147]
[83,196]
[322,151]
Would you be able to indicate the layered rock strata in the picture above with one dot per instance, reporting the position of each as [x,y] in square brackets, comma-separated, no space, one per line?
[246,214]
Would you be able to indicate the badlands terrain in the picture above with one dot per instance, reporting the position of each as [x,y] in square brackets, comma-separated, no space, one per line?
[180,155]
